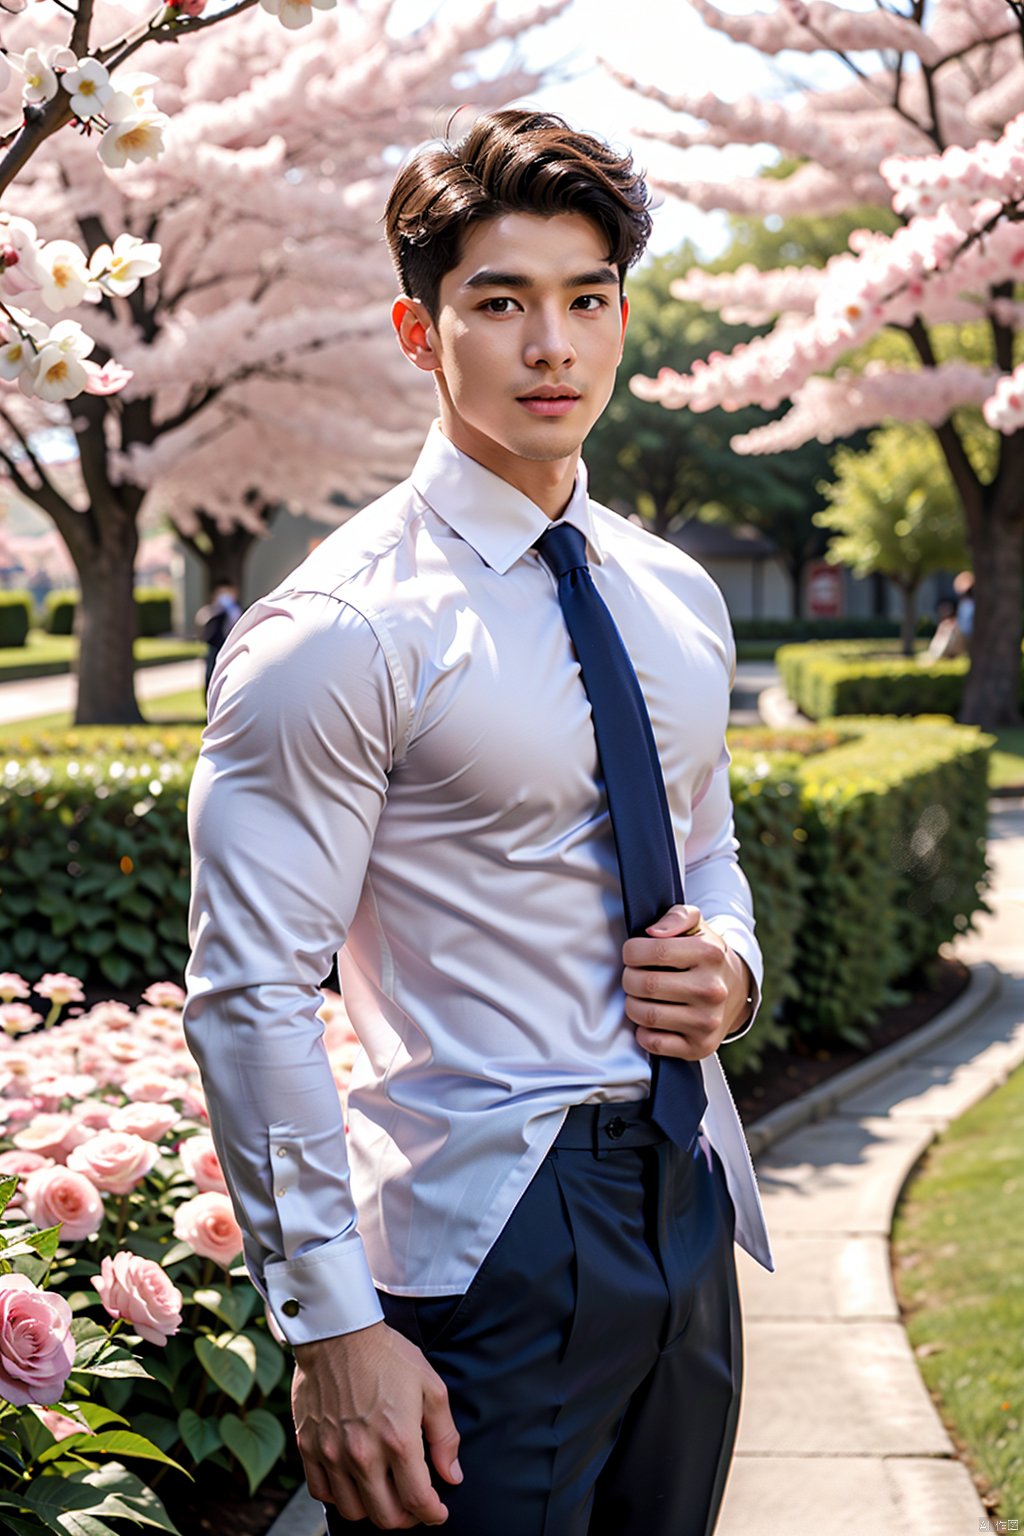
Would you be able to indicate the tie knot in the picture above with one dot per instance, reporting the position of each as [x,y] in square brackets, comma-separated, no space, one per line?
[563,548]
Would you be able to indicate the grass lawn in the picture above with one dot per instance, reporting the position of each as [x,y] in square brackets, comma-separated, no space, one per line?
[956,1258]
[188,708]
[44,654]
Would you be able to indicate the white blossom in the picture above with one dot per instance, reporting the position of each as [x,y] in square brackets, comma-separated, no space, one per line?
[56,375]
[120,269]
[71,339]
[138,136]
[66,275]
[296,13]
[134,91]
[40,80]
[89,87]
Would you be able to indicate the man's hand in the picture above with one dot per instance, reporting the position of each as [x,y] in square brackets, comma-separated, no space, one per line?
[685,988]
[363,1403]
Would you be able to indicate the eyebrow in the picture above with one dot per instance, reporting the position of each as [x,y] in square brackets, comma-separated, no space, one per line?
[488,278]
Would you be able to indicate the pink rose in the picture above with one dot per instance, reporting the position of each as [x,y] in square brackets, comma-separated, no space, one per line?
[11,986]
[127,1049]
[52,1135]
[151,1086]
[207,1223]
[50,1091]
[114,1160]
[142,1293]
[111,1015]
[150,1121]
[15,1018]
[15,1112]
[95,1113]
[200,1161]
[36,1347]
[20,1162]
[60,1194]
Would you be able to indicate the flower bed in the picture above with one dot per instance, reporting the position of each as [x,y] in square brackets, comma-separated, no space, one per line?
[120,1251]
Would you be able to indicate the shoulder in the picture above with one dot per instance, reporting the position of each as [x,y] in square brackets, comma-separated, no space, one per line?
[348,558]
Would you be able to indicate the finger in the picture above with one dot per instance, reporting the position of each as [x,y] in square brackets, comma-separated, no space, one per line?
[659,986]
[344,1496]
[679,1047]
[415,1491]
[376,1490]
[673,952]
[440,1431]
[677,920]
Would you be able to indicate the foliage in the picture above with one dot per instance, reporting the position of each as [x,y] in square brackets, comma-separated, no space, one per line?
[876,858]
[849,677]
[15,617]
[153,607]
[94,862]
[211,1390]
[867,626]
[894,510]
[59,1466]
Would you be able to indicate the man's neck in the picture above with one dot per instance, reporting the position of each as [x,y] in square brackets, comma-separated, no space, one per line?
[548,483]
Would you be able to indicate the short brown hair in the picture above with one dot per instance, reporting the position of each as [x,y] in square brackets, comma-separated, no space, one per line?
[512,161]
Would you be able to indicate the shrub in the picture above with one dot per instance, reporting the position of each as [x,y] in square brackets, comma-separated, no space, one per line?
[209,1385]
[153,606]
[15,617]
[852,678]
[94,863]
[867,626]
[59,612]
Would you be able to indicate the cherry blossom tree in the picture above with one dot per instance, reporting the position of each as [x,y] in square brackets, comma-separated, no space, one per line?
[238,329]
[930,121]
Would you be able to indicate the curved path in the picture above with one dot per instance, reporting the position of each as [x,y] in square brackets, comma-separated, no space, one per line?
[837,1431]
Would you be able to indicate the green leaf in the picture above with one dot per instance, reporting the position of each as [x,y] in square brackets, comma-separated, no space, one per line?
[7,1187]
[138,939]
[270,1359]
[201,1436]
[119,1442]
[258,1441]
[229,1359]
[81,1503]
[175,1253]
[116,968]
[232,1304]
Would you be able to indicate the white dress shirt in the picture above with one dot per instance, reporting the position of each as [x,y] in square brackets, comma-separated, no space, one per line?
[400,765]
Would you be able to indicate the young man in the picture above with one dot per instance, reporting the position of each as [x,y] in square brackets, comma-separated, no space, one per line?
[534,1328]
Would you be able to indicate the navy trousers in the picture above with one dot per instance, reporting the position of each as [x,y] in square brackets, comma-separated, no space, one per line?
[594,1365]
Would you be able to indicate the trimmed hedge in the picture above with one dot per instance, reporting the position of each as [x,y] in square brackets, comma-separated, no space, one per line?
[15,617]
[891,842]
[94,862]
[153,607]
[863,840]
[869,626]
[825,679]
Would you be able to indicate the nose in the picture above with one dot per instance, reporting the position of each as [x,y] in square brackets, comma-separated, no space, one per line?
[549,344]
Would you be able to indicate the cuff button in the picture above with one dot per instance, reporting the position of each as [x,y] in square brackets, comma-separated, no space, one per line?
[290,1308]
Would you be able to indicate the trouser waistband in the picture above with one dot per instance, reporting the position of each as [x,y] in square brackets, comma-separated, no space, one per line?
[606,1128]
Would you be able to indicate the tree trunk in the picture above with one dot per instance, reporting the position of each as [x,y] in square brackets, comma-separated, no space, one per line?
[908,619]
[992,693]
[106,625]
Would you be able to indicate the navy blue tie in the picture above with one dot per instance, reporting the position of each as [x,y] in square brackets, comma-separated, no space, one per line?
[637,803]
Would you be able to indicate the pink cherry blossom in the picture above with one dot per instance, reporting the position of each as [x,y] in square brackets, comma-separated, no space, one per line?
[16,1018]
[138,1290]
[57,987]
[207,1223]
[36,1347]
[12,986]
[59,1194]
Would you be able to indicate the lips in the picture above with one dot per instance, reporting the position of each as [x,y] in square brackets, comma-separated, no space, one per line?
[550,400]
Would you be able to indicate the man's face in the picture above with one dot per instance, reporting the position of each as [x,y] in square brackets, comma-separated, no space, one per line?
[527,338]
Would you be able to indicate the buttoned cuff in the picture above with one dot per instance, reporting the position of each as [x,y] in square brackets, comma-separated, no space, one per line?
[741,940]
[322,1293]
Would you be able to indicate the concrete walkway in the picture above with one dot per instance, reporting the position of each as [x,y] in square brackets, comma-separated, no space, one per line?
[34,696]
[837,1431]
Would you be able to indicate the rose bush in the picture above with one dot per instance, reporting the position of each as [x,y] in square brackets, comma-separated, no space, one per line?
[105,1143]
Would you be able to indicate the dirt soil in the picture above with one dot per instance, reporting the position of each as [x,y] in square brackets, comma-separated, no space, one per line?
[784,1074]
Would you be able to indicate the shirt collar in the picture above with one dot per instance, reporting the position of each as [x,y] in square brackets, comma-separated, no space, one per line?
[498,521]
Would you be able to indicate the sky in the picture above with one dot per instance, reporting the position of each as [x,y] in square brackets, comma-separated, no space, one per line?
[664,43]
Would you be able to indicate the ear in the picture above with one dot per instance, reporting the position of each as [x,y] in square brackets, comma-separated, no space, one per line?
[625,322]
[415,333]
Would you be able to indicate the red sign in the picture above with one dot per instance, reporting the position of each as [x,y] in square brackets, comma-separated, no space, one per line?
[824,590]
